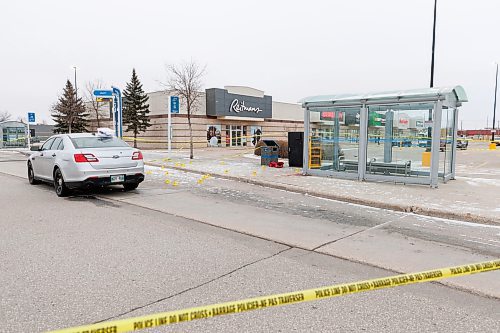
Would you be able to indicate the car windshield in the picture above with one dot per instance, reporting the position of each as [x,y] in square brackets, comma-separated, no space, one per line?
[98,142]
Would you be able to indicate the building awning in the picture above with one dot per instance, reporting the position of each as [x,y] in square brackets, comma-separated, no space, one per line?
[453,96]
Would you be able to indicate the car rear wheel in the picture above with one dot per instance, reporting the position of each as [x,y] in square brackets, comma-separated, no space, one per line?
[59,185]
[31,175]
[130,186]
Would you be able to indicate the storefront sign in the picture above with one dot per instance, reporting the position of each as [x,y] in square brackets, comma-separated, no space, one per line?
[401,120]
[330,116]
[221,103]
[237,107]
[376,119]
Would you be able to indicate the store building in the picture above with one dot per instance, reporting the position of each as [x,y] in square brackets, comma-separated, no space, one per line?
[235,116]
[41,132]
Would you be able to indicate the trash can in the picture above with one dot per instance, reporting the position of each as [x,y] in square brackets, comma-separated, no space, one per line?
[269,153]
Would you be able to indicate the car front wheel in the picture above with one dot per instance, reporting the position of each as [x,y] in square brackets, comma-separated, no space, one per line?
[59,185]
[31,175]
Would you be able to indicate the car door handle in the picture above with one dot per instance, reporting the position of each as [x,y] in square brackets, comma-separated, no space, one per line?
[41,154]
[53,155]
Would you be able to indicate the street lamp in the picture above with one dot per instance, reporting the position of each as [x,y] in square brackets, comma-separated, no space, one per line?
[433,44]
[494,106]
[76,90]
[429,130]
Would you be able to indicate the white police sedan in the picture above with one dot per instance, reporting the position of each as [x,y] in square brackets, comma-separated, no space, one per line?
[85,160]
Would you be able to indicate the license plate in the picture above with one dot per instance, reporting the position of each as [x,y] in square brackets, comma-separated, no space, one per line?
[117,178]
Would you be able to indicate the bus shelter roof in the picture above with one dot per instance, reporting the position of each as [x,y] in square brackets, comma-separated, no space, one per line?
[453,96]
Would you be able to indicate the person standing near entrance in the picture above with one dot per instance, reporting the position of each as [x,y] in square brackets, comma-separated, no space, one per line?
[256,136]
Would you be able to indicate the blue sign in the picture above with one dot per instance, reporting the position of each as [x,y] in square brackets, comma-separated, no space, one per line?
[174,104]
[103,93]
[118,111]
[31,117]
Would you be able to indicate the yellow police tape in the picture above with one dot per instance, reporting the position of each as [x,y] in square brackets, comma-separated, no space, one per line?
[263,302]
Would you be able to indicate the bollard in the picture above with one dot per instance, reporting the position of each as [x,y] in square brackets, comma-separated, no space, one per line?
[426,159]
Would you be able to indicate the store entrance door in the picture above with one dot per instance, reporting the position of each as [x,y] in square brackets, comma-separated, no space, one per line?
[236,136]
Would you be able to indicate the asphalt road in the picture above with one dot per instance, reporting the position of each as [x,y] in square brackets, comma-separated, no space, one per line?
[87,258]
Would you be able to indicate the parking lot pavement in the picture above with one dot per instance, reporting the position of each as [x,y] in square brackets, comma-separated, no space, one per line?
[88,258]
[399,241]
[8,155]
[402,242]
[471,197]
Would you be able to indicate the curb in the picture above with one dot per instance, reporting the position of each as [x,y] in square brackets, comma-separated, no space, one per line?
[23,152]
[418,210]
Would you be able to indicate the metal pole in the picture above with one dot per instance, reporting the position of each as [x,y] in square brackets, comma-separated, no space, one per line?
[433,44]
[169,124]
[436,127]
[305,153]
[429,129]
[494,107]
[76,92]
[363,141]
[120,112]
[29,134]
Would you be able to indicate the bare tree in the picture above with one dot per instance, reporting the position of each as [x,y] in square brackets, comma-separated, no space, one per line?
[91,103]
[5,115]
[185,80]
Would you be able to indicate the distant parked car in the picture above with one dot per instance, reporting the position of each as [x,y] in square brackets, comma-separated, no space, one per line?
[423,143]
[84,160]
[462,144]
[401,143]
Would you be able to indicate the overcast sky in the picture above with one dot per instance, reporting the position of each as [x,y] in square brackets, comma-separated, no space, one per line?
[289,49]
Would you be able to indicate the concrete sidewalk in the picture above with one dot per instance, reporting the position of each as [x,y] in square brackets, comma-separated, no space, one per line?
[473,196]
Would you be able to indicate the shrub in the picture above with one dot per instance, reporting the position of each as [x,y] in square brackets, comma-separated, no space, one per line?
[259,144]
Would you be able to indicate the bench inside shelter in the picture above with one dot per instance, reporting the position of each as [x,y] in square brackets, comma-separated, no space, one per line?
[374,167]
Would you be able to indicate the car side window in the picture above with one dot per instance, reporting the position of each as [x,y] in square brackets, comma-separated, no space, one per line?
[61,145]
[56,143]
[47,144]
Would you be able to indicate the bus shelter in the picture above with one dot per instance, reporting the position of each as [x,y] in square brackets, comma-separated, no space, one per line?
[399,136]
[14,134]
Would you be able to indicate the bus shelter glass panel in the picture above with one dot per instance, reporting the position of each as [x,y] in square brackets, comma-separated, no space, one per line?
[398,139]
[334,141]
[14,136]
[446,142]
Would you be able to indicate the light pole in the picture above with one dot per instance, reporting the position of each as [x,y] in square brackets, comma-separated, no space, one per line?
[429,129]
[433,44]
[76,90]
[494,106]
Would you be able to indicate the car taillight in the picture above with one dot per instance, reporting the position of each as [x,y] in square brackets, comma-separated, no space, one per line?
[81,158]
[137,155]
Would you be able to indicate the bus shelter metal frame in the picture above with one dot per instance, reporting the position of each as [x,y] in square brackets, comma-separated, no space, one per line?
[449,97]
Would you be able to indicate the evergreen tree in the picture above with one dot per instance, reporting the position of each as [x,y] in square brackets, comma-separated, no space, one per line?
[135,107]
[69,113]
